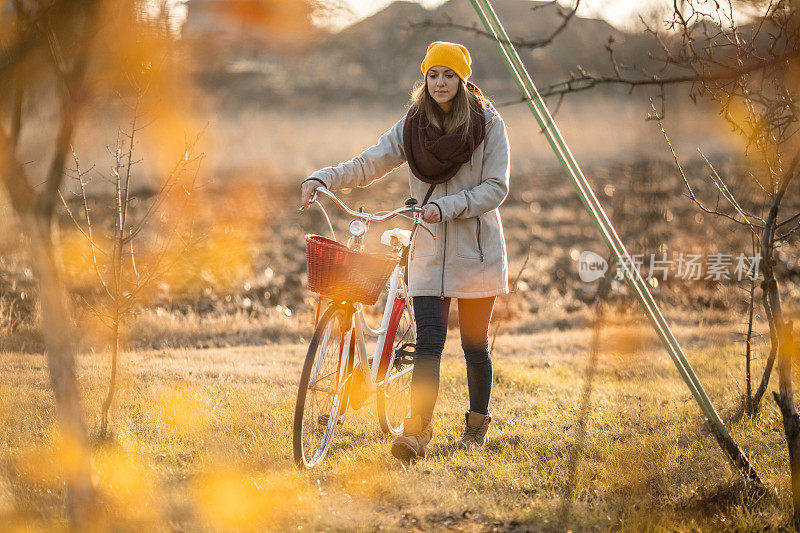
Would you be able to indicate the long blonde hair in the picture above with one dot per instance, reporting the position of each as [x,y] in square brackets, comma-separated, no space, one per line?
[457,119]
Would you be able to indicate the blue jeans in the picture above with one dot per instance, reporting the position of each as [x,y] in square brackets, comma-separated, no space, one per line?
[431,314]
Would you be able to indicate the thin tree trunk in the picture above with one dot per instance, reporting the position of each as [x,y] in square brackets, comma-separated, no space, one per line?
[785,396]
[111,383]
[773,338]
[762,387]
[57,332]
[748,401]
[769,289]
[16,117]
[791,427]
[116,271]
[36,209]
[781,331]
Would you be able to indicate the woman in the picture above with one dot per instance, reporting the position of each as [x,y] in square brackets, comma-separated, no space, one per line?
[457,150]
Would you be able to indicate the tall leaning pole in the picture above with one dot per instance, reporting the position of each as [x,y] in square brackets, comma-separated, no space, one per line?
[537,106]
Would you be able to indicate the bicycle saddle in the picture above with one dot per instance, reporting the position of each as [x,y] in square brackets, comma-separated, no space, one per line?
[402,235]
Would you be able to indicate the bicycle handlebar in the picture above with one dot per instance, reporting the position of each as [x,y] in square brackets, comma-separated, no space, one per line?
[370,216]
[363,216]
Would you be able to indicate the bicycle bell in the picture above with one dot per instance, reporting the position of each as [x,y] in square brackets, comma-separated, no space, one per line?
[358,228]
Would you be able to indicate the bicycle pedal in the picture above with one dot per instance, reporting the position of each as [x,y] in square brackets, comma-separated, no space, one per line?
[404,355]
[405,348]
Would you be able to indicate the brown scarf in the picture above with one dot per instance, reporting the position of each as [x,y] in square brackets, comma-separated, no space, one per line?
[433,156]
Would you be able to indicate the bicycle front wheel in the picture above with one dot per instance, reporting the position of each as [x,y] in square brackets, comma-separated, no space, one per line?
[320,395]
[394,396]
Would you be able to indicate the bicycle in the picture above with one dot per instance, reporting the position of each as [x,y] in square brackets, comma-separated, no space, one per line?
[338,372]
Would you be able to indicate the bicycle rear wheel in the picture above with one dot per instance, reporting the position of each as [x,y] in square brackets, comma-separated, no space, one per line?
[321,395]
[394,396]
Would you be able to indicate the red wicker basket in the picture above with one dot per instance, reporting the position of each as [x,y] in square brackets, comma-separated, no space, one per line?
[338,273]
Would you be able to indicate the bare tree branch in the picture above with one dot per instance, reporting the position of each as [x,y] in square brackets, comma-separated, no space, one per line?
[693,196]
[519,43]
[587,81]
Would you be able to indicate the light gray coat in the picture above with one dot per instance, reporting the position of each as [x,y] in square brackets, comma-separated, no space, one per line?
[468,258]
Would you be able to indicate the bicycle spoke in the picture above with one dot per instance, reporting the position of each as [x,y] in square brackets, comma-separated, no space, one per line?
[399,392]
[321,389]
[399,375]
[323,346]
[329,374]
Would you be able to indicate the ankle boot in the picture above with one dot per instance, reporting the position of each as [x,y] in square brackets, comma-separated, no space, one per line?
[413,443]
[477,425]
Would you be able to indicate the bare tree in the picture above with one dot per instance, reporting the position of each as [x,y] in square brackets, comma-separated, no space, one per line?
[748,71]
[50,40]
[48,58]
[124,273]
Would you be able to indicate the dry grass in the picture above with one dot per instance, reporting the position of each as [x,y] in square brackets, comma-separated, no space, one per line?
[203,442]
[161,329]
[203,436]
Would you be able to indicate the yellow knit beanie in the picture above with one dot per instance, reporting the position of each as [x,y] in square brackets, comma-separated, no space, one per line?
[451,55]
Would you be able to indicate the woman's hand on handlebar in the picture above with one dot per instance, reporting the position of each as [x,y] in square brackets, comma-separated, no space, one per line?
[431,214]
[307,191]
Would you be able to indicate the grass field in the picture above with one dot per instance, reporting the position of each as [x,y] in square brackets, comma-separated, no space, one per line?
[593,428]
[582,439]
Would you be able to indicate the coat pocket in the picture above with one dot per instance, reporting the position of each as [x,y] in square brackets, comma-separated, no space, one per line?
[468,238]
